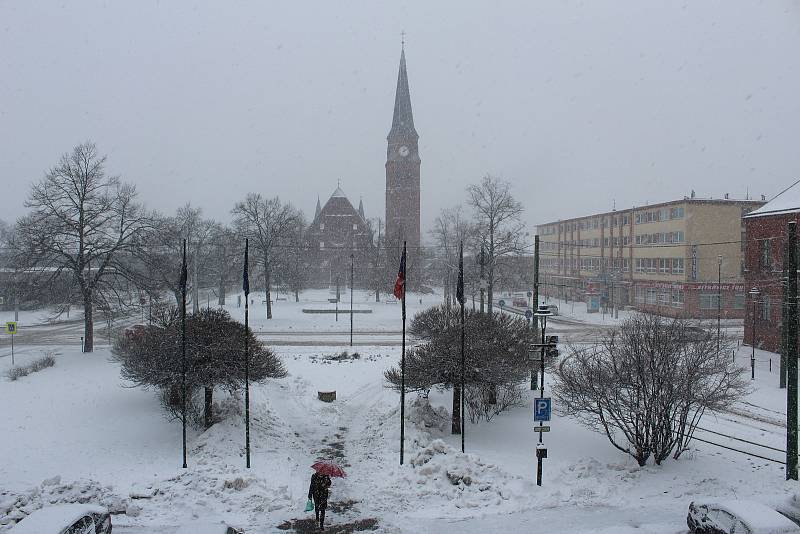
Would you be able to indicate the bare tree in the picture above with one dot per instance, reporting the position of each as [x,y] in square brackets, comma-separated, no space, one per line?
[268,222]
[647,384]
[226,258]
[198,233]
[82,222]
[292,263]
[498,218]
[449,230]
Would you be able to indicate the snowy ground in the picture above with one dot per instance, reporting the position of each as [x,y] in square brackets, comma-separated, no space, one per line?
[110,443]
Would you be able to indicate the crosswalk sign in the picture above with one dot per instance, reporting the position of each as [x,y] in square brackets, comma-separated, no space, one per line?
[11,327]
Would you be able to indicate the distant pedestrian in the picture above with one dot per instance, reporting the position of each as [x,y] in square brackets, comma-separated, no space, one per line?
[318,490]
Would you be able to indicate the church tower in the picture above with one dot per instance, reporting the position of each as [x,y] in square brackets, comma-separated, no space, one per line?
[402,170]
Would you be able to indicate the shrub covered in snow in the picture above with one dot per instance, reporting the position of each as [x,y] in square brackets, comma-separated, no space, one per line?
[495,353]
[214,358]
[19,371]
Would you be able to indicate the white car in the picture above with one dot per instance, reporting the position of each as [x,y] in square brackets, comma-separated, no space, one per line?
[66,519]
[737,517]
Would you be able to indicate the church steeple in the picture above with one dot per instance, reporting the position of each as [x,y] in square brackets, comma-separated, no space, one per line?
[319,209]
[361,208]
[403,119]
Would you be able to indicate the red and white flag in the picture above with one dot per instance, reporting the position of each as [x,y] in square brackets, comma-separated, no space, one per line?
[401,278]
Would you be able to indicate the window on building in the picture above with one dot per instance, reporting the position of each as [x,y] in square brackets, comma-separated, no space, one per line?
[652,265]
[664,215]
[676,213]
[321,226]
[766,311]
[664,297]
[739,301]
[651,296]
[321,244]
[677,266]
[677,298]
[708,301]
[355,227]
[766,254]
[625,265]
[625,220]
[663,265]
[639,295]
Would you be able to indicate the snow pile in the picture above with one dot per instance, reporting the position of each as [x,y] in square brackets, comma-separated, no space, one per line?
[16,506]
[436,478]
[441,471]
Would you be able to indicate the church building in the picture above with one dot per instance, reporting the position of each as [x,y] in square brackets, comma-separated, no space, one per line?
[402,170]
[339,230]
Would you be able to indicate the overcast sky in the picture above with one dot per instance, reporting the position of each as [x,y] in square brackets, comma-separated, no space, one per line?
[577,104]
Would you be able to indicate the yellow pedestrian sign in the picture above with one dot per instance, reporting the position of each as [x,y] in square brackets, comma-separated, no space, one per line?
[11,327]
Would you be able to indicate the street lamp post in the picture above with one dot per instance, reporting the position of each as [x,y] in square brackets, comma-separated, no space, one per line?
[542,312]
[351,300]
[719,297]
[753,295]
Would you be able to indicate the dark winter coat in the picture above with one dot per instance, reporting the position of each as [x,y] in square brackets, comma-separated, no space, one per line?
[319,487]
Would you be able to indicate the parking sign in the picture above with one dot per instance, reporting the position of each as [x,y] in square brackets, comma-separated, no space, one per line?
[11,327]
[541,409]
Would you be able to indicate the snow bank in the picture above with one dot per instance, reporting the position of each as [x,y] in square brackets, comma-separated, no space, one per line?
[16,506]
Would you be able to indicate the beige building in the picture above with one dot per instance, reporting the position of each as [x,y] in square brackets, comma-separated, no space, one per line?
[663,258]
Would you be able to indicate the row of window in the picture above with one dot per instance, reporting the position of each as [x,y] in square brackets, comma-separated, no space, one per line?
[322,226]
[660,238]
[663,214]
[659,265]
[672,297]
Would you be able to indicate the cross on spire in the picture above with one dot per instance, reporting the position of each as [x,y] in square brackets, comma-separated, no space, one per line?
[403,39]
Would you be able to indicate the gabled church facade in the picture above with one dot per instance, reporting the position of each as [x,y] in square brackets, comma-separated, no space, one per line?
[338,230]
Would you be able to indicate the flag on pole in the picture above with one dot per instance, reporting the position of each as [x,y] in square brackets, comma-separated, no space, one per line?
[460,286]
[245,275]
[184,272]
[401,277]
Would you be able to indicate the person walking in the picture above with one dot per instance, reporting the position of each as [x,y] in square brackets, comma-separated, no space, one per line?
[318,491]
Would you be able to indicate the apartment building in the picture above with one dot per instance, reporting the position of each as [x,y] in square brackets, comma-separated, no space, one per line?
[672,258]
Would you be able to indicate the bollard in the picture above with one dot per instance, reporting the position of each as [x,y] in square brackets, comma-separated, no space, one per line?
[81,343]
[770,365]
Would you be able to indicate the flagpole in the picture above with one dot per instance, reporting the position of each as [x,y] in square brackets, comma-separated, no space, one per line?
[403,361]
[246,289]
[184,275]
[461,299]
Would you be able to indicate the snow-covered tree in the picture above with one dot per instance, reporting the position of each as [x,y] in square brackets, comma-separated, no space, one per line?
[214,357]
[647,384]
[495,354]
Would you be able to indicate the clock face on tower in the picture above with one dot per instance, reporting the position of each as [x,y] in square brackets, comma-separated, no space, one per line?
[403,150]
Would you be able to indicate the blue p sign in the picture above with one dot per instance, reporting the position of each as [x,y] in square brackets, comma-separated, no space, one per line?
[541,409]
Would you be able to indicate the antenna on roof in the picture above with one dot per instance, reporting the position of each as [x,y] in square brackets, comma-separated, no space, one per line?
[785,190]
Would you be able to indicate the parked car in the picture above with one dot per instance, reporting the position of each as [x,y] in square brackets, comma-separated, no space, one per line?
[553,309]
[134,331]
[519,302]
[66,519]
[207,527]
[737,517]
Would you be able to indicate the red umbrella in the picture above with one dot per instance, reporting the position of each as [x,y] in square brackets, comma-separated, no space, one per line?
[328,468]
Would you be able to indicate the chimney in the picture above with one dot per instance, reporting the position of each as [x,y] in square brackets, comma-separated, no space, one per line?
[763,197]
[692,193]
[726,196]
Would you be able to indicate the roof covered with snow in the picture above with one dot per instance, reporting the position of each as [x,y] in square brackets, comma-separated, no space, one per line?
[757,516]
[787,201]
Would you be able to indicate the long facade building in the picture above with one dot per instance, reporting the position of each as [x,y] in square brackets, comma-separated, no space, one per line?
[672,258]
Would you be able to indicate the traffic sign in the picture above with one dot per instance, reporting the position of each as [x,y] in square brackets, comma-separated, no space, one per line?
[541,429]
[528,314]
[541,409]
[11,327]
[530,294]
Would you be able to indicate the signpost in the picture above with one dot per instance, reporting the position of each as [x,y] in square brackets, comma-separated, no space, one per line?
[11,328]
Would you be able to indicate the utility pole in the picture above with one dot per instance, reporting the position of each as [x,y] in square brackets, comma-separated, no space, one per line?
[784,311]
[351,300]
[535,303]
[790,324]
[719,297]
[483,280]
